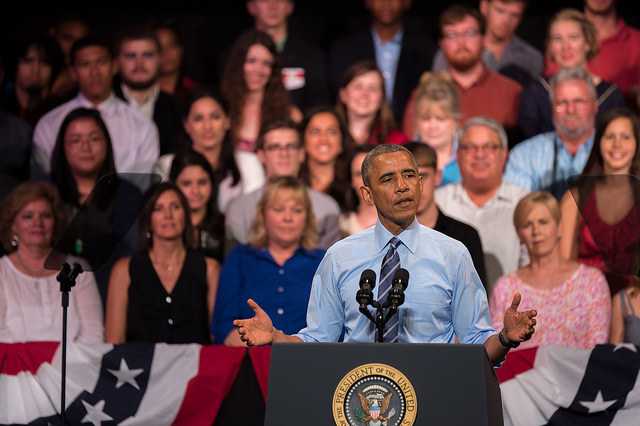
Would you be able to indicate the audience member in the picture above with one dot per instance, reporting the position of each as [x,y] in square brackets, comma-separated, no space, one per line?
[572,300]
[625,317]
[437,119]
[30,299]
[101,205]
[276,267]
[601,212]
[327,148]
[134,137]
[571,42]
[430,215]
[138,60]
[280,151]
[192,173]
[36,64]
[206,123]
[547,160]
[15,149]
[363,107]
[504,51]
[401,51]
[482,91]
[303,65]
[252,85]
[483,199]
[166,292]
[618,57]
[358,214]
[66,31]
[171,78]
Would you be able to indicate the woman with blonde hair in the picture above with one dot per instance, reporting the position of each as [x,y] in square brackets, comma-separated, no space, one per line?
[572,299]
[30,298]
[276,268]
[437,118]
[571,43]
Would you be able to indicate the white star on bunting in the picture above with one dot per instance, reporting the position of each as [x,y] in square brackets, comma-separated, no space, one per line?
[598,405]
[95,415]
[125,375]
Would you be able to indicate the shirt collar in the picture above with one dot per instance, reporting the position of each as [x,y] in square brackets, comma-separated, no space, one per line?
[105,106]
[584,147]
[151,97]
[396,39]
[502,194]
[408,237]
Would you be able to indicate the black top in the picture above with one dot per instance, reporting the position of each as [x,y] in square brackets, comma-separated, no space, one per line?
[535,117]
[468,236]
[15,150]
[155,316]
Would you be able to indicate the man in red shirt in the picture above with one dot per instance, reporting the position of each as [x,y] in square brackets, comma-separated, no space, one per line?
[618,58]
[483,92]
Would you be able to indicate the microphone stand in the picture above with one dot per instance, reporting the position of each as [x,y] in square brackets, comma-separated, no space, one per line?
[67,279]
[380,319]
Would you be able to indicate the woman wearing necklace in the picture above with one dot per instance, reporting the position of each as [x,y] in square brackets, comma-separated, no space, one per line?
[166,292]
[30,308]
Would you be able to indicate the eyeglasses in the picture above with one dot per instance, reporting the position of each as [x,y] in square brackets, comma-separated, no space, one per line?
[489,148]
[450,35]
[277,147]
[576,103]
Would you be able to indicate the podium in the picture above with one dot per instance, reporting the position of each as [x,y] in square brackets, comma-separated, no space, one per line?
[368,384]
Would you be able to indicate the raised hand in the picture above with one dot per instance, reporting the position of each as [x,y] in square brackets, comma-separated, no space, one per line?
[255,331]
[519,326]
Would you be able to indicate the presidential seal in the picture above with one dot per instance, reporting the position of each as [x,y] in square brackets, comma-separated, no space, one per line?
[374,395]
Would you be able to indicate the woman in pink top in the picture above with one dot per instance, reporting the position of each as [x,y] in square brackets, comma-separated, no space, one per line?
[572,299]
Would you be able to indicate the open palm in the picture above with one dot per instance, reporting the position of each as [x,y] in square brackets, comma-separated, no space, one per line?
[519,326]
[257,330]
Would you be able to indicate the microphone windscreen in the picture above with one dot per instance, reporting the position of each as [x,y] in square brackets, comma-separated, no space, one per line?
[369,277]
[402,276]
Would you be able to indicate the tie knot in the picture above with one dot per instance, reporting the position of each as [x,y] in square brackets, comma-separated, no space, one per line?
[394,242]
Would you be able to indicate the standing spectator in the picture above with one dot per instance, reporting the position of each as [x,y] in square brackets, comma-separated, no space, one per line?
[252,85]
[303,65]
[206,123]
[276,268]
[15,151]
[572,300]
[172,79]
[437,121]
[618,57]
[430,215]
[401,51]
[280,151]
[67,30]
[134,137]
[327,149]
[358,214]
[483,199]
[601,213]
[571,42]
[363,107]
[547,160]
[482,91]
[166,292]
[30,310]
[504,51]
[192,173]
[37,63]
[138,60]
[625,317]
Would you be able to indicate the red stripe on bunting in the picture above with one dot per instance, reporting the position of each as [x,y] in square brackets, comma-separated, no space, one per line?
[25,357]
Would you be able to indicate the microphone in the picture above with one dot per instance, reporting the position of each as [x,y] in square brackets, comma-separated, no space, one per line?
[398,286]
[364,296]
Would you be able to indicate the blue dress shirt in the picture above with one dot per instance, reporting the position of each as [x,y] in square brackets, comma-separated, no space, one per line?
[387,56]
[282,291]
[530,163]
[444,298]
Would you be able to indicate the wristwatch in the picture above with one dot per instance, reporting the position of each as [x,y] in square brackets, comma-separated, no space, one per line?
[504,340]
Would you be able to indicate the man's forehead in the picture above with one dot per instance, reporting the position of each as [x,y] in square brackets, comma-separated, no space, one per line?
[281,135]
[479,134]
[393,161]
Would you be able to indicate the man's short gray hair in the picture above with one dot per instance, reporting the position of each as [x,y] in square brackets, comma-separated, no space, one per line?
[380,150]
[577,73]
[488,123]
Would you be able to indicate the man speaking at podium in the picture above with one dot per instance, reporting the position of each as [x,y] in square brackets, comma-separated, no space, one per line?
[444,298]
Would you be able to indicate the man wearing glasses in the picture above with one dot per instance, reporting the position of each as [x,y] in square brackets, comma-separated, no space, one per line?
[280,150]
[483,199]
[481,90]
[547,160]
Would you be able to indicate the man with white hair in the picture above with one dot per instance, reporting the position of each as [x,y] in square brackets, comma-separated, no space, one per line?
[547,160]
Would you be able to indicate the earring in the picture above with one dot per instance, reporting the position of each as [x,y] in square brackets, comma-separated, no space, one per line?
[14,241]
[148,235]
